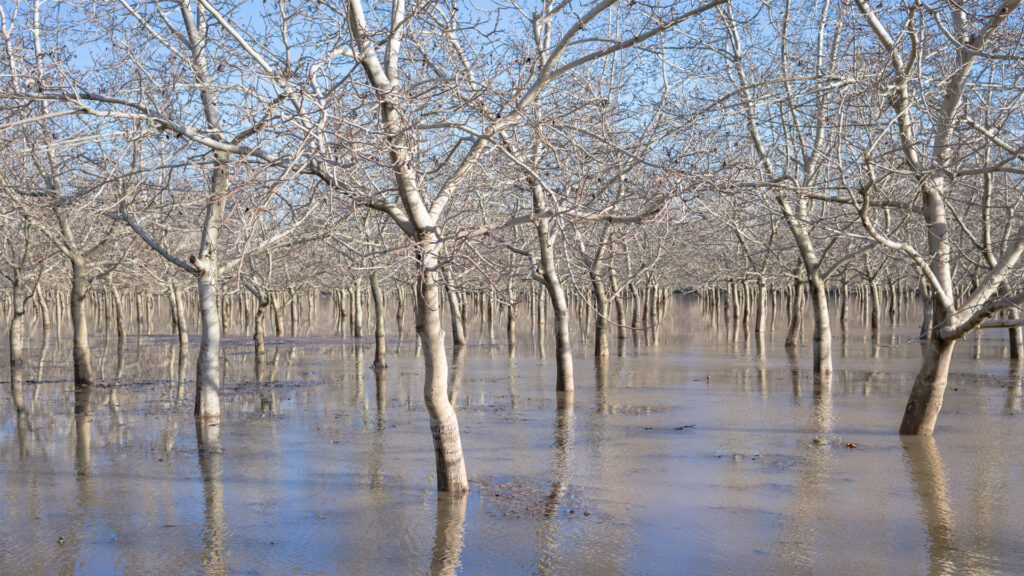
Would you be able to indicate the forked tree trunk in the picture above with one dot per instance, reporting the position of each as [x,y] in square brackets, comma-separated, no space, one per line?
[549,276]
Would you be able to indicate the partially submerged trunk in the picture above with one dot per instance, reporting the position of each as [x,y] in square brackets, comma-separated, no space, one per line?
[122,334]
[876,308]
[510,319]
[761,308]
[178,309]
[208,363]
[444,425]
[400,309]
[44,314]
[455,309]
[81,354]
[549,276]
[357,308]
[379,358]
[844,305]
[17,347]
[822,345]
[293,307]
[600,320]
[925,400]
[278,320]
[796,312]
[620,313]
[258,330]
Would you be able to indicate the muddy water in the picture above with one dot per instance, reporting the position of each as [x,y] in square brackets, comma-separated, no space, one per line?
[697,455]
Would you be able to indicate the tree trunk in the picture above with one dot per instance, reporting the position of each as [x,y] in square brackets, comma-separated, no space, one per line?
[400,309]
[17,345]
[257,333]
[548,275]
[357,308]
[122,335]
[208,364]
[822,345]
[278,320]
[444,425]
[926,320]
[179,315]
[929,386]
[455,309]
[44,314]
[796,312]
[600,318]
[489,303]
[844,306]
[510,325]
[876,309]
[82,356]
[379,358]
[1015,340]
[761,315]
[620,313]
[293,307]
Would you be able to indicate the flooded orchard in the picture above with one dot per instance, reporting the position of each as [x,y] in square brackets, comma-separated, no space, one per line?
[576,287]
[692,450]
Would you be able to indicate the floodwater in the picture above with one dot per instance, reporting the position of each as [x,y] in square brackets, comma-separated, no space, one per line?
[695,455]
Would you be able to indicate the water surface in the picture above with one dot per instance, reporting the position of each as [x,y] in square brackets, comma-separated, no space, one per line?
[695,455]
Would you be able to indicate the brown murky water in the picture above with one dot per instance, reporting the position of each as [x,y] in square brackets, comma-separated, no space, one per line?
[696,455]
